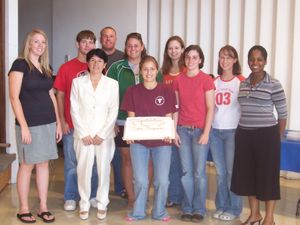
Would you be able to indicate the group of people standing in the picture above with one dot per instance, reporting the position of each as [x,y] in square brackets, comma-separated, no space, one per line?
[230,115]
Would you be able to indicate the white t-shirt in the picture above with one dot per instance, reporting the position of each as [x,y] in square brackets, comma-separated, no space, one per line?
[227,108]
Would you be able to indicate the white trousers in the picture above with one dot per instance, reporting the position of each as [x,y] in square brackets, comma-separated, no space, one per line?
[85,158]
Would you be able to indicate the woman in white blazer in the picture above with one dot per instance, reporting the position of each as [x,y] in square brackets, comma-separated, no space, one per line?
[94,109]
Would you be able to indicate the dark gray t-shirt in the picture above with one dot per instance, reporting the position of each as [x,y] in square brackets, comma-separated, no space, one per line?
[117,55]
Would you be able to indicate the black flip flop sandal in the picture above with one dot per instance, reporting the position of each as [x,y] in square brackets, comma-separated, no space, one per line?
[21,216]
[42,216]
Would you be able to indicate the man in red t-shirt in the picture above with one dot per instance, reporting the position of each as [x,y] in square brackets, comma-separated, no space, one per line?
[85,41]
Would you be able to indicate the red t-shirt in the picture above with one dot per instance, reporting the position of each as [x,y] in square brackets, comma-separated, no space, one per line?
[192,102]
[156,102]
[169,78]
[63,82]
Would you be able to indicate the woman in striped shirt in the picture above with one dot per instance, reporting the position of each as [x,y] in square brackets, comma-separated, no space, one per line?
[257,140]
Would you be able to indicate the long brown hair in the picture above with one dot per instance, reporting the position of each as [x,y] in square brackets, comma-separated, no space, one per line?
[167,62]
[44,58]
[230,51]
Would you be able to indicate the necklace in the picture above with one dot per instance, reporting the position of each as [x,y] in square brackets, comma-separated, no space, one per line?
[254,80]
[254,86]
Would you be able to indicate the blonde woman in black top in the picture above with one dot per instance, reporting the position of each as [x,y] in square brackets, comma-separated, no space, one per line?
[37,122]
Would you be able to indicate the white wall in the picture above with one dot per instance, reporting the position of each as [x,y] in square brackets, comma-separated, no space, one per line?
[63,19]
[35,14]
[72,16]
[11,52]
[215,23]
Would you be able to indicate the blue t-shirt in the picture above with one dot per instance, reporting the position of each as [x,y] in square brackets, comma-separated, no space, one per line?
[34,95]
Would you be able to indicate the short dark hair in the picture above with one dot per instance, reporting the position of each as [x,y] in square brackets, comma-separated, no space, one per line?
[197,49]
[259,48]
[107,28]
[96,52]
[85,34]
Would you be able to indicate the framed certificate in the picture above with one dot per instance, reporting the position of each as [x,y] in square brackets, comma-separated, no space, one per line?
[149,128]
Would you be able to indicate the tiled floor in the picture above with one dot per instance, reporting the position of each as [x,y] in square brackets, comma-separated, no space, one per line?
[285,211]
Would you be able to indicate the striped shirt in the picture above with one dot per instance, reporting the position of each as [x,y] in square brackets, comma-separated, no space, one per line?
[257,103]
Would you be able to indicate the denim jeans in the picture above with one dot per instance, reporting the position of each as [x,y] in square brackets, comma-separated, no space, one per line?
[193,158]
[222,147]
[117,168]
[175,192]
[161,158]
[70,174]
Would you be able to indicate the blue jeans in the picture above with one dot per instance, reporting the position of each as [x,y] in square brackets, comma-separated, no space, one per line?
[117,168]
[222,147]
[161,158]
[193,158]
[175,192]
[70,174]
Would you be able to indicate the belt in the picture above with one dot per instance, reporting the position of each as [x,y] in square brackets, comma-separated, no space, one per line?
[190,126]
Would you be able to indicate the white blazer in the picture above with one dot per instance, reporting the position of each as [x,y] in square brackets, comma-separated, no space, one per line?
[94,112]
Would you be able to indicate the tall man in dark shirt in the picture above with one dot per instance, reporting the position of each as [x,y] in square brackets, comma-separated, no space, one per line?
[108,38]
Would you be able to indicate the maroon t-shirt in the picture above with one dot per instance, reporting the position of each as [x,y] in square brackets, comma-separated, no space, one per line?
[155,102]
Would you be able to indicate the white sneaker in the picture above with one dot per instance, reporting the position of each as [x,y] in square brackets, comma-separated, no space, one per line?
[101,214]
[70,205]
[227,216]
[84,215]
[94,203]
[217,214]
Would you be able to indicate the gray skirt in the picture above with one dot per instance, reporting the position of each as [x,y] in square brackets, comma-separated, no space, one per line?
[42,147]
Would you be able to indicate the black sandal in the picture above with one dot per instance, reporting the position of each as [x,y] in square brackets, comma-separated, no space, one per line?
[42,216]
[21,216]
